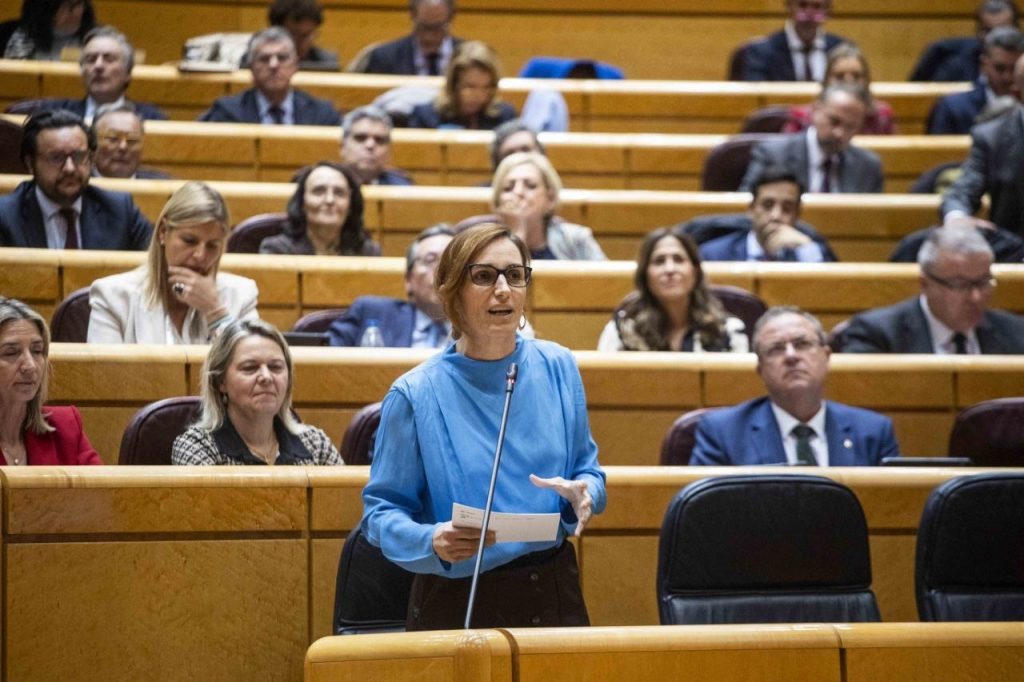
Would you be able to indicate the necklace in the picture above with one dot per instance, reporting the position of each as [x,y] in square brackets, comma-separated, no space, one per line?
[268,454]
[12,459]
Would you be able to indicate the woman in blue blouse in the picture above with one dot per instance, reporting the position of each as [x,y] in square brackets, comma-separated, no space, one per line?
[435,447]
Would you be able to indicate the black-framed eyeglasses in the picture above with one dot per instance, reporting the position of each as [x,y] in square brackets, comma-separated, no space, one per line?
[58,159]
[484,275]
[381,140]
[962,286]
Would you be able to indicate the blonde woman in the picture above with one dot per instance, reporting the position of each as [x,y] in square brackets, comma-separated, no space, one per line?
[178,296]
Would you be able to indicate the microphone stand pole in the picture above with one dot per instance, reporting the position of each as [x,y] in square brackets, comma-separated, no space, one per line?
[510,383]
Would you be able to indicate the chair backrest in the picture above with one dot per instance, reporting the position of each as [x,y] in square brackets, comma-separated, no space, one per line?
[248,234]
[677,445]
[726,163]
[28,106]
[767,119]
[70,322]
[925,183]
[150,435]
[765,549]
[474,220]
[10,148]
[990,433]
[357,443]
[970,550]
[319,321]
[371,593]
[836,336]
[742,304]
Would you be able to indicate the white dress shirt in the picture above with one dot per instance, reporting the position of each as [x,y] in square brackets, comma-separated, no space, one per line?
[287,106]
[819,441]
[942,336]
[817,54]
[419,59]
[56,226]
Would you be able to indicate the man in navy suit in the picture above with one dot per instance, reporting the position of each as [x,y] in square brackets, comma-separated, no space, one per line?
[956,59]
[956,114]
[951,315]
[119,139]
[424,52]
[106,65]
[272,99]
[418,322]
[57,208]
[796,53]
[794,424]
[771,228]
[366,146]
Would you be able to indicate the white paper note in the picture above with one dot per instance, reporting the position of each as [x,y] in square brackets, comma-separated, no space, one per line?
[509,527]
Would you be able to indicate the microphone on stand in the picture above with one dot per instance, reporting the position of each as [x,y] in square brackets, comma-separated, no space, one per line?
[510,384]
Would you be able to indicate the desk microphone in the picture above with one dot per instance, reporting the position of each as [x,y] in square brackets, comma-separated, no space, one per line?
[510,384]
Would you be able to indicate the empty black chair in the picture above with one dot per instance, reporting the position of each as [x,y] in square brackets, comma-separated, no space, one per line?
[247,235]
[70,322]
[149,436]
[767,119]
[357,443]
[677,445]
[970,550]
[371,593]
[765,549]
[990,433]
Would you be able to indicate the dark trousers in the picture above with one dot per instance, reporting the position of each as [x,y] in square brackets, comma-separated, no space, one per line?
[541,589]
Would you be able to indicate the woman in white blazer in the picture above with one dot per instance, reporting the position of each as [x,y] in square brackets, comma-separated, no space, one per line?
[177,296]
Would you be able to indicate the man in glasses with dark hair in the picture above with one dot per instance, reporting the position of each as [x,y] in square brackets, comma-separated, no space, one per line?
[366,146]
[951,315]
[57,208]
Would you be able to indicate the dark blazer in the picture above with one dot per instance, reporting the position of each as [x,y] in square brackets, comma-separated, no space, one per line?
[66,445]
[1007,247]
[394,317]
[394,177]
[955,114]
[951,60]
[770,59]
[147,112]
[109,220]
[427,116]
[398,56]
[142,173]
[244,108]
[731,240]
[995,165]
[860,169]
[902,328]
[748,434]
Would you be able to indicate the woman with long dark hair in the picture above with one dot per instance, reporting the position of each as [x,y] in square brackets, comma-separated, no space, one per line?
[47,27]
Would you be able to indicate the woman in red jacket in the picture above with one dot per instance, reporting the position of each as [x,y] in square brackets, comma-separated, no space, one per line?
[29,433]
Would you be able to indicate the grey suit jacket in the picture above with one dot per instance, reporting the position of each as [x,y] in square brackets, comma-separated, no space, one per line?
[994,165]
[860,169]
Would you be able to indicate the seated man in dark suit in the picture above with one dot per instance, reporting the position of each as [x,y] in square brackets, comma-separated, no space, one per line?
[427,50]
[272,99]
[771,228]
[956,59]
[951,316]
[794,424]
[366,146]
[822,157]
[57,208]
[119,140]
[418,322]
[796,53]
[956,114]
[106,64]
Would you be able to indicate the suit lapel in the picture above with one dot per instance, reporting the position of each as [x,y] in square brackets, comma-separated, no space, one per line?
[783,58]
[250,106]
[990,340]
[801,162]
[299,107]
[915,329]
[765,436]
[32,218]
[92,223]
[839,436]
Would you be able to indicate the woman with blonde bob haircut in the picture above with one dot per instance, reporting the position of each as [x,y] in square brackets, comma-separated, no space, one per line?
[524,194]
[178,296]
[246,413]
[439,423]
[470,96]
[31,434]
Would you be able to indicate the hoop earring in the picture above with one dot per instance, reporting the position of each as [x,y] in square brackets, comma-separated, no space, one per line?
[522,322]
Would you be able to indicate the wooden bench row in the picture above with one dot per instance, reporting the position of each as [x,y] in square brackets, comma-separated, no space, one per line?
[668,106]
[632,398]
[860,228]
[229,573]
[678,39]
[857,652]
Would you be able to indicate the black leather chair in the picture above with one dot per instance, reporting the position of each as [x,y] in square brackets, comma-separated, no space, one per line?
[248,234]
[742,304]
[357,443]
[765,549]
[990,433]
[726,163]
[837,337]
[371,593]
[677,445]
[70,322]
[319,321]
[150,434]
[10,148]
[767,119]
[970,550]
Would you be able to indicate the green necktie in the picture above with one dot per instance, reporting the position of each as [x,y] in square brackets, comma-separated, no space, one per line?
[804,452]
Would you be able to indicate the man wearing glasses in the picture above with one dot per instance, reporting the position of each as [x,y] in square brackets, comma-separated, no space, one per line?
[951,315]
[794,424]
[119,137]
[426,51]
[366,146]
[57,209]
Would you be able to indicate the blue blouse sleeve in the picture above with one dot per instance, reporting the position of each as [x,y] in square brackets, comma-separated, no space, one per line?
[396,490]
[584,453]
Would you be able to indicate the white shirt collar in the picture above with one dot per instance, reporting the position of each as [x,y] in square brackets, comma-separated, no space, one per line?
[91,106]
[819,442]
[50,208]
[444,56]
[796,44]
[287,106]
[942,336]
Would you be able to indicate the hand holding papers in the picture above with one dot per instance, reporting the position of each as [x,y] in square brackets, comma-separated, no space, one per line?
[509,527]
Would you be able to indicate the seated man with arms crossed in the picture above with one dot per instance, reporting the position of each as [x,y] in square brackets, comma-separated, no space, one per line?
[794,424]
